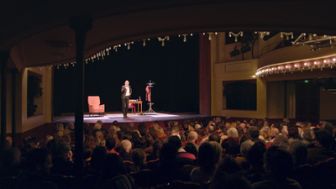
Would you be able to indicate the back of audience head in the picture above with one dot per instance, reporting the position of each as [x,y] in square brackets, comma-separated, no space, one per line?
[98,157]
[325,139]
[245,147]
[293,132]
[308,135]
[264,133]
[175,141]
[126,145]
[113,166]
[256,154]
[299,151]
[214,137]
[110,143]
[253,133]
[228,165]
[232,133]
[281,141]
[59,150]
[273,132]
[209,155]
[278,162]
[327,126]
[228,175]
[168,154]
[137,140]
[138,157]
[192,137]
[98,125]
[191,148]
[231,147]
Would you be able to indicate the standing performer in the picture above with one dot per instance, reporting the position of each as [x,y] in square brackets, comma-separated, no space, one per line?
[126,92]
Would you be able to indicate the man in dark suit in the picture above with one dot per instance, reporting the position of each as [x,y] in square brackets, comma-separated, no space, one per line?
[126,92]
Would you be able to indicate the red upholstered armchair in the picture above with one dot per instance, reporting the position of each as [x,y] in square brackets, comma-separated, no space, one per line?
[94,105]
[131,105]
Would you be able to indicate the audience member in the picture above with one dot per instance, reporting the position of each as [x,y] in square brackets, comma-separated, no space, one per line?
[278,164]
[208,157]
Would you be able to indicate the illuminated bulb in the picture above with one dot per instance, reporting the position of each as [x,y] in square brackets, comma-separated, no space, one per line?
[296,65]
[216,33]
[306,64]
[334,59]
[288,66]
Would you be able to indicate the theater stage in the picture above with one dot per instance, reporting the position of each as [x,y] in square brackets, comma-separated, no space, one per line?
[132,117]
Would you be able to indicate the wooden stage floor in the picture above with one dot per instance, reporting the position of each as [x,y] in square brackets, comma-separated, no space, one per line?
[132,117]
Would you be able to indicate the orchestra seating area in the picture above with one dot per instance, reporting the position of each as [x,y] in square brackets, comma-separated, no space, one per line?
[199,153]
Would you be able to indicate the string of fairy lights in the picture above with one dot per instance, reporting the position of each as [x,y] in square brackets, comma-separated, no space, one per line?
[101,55]
[302,39]
[318,63]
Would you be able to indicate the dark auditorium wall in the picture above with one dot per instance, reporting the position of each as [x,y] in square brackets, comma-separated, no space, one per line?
[174,69]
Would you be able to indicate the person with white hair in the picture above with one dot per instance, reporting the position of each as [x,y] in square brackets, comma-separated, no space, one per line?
[192,137]
[124,149]
[126,145]
[232,133]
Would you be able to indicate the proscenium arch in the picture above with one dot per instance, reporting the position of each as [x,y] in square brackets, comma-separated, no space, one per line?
[137,21]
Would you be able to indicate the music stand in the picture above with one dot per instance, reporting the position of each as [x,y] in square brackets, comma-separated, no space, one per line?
[149,87]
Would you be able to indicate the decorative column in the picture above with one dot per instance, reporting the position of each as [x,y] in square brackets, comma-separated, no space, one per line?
[204,76]
[14,74]
[80,25]
[4,55]
[285,113]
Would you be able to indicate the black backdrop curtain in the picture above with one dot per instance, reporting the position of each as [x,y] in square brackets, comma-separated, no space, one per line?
[173,67]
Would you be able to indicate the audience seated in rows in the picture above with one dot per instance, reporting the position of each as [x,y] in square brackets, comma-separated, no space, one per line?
[194,153]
